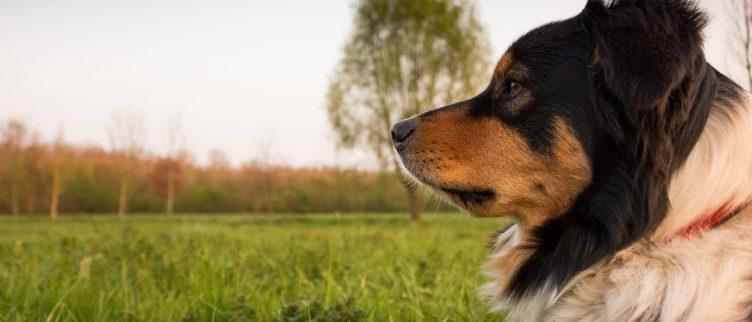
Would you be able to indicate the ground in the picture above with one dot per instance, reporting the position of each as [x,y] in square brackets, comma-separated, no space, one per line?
[239,268]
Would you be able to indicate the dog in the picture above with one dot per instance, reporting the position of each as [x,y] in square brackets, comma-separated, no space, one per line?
[624,160]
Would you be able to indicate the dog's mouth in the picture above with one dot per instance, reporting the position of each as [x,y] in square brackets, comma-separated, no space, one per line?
[474,197]
[465,196]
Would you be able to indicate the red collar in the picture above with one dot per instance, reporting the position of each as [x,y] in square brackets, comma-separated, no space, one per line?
[715,219]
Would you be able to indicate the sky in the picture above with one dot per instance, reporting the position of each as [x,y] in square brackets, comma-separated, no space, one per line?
[245,77]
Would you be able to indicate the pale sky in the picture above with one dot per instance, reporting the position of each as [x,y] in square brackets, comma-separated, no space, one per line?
[240,74]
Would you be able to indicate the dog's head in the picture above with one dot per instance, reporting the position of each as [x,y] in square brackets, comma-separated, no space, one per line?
[577,134]
[521,146]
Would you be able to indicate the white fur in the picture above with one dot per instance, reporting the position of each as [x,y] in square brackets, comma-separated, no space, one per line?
[529,307]
[706,278]
[703,278]
[717,172]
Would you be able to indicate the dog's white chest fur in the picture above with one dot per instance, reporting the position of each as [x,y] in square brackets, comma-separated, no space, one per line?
[704,278]
[707,278]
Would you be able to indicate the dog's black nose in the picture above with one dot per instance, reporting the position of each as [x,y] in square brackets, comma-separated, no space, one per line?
[402,130]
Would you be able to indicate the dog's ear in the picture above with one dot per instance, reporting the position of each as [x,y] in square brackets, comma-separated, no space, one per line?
[643,48]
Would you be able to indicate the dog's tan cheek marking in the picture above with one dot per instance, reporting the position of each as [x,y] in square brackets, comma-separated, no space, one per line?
[537,187]
[567,174]
[496,157]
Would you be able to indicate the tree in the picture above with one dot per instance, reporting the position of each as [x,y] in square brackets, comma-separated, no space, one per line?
[269,176]
[166,176]
[404,57]
[16,139]
[34,181]
[57,162]
[127,135]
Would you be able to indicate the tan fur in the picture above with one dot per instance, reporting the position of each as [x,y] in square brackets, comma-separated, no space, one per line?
[504,64]
[453,150]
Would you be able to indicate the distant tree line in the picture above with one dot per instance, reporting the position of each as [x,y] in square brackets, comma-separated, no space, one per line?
[39,177]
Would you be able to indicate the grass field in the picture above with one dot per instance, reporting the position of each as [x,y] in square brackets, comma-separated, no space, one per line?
[240,268]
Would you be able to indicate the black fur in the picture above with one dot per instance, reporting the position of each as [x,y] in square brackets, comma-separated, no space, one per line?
[471,197]
[651,91]
[631,81]
[551,61]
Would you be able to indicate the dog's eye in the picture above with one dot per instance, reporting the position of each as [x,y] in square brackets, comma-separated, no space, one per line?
[514,88]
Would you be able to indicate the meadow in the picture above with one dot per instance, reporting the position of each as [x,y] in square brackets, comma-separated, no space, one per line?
[355,267]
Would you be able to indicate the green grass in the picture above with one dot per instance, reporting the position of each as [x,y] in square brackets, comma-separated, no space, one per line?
[239,268]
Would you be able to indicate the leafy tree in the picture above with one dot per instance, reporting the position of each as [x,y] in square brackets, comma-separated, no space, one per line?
[404,57]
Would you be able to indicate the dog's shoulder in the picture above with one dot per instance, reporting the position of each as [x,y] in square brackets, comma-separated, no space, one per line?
[706,278]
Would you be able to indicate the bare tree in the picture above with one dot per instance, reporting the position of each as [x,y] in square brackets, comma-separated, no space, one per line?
[57,164]
[167,178]
[740,14]
[167,174]
[218,161]
[16,138]
[268,181]
[127,135]
[34,180]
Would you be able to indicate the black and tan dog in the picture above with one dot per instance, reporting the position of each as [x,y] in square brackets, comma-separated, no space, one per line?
[624,158]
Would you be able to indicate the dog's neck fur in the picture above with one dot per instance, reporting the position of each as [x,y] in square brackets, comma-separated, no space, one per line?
[716,177]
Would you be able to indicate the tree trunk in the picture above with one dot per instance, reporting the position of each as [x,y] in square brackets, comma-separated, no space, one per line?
[170,203]
[170,193]
[29,205]
[412,198]
[123,200]
[414,203]
[410,189]
[54,195]
[14,201]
